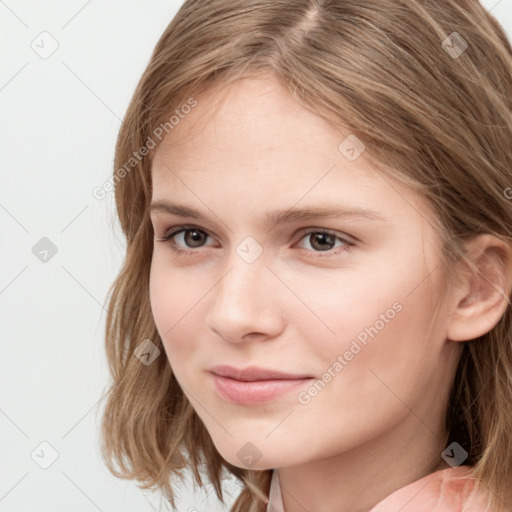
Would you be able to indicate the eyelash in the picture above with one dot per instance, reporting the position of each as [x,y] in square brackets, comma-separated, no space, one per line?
[172,232]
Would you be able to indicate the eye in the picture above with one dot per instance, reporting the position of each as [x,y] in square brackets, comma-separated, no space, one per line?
[191,235]
[320,240]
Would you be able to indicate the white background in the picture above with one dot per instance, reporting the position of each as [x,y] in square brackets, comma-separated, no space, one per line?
[59,119]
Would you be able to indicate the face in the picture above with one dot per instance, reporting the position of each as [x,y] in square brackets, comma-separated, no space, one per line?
[346,300]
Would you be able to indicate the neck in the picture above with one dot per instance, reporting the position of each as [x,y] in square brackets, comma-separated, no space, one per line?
[358,479]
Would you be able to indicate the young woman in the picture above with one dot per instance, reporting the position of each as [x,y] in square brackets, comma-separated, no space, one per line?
[317,203]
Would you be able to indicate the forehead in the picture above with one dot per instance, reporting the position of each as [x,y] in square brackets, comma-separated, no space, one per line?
[251,143]
[248,115]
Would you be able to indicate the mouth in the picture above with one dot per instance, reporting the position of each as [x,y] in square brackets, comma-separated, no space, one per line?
[255,373]
[258,391]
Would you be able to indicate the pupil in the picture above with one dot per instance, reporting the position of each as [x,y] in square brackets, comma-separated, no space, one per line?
[322,237]
[195,234]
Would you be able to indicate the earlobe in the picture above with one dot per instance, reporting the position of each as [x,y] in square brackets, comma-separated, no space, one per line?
[483,296]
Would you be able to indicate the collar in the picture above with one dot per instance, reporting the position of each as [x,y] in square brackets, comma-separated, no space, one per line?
[447,490]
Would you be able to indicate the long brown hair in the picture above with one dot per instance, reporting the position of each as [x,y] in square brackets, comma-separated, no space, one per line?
[427,87]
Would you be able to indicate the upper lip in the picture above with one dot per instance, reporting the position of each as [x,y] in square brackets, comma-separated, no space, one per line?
[253,373]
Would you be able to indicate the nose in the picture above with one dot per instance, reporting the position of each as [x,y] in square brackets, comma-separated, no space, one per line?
[244,303]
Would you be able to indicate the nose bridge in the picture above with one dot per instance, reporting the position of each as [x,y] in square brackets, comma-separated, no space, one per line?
[242,298]
[244,278]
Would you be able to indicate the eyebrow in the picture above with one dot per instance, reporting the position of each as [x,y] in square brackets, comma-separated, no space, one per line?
[288,215]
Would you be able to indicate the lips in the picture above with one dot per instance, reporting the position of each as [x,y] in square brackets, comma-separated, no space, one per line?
[255,373]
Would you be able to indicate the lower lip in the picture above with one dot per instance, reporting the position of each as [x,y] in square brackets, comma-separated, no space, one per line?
[256,392]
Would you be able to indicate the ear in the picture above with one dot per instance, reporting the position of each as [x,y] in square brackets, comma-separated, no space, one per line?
[482,297]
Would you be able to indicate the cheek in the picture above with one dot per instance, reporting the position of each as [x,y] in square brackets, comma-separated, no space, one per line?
[380,322]
[174,300]
[172,291]
[342,306]
[369,370]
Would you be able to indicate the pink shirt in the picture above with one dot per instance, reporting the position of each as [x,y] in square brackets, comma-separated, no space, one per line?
[446,490]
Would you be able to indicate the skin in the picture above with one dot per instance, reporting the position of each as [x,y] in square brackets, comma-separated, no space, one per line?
[378,424]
